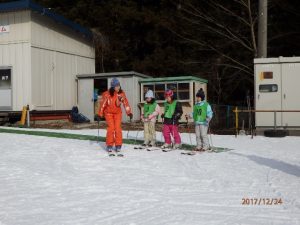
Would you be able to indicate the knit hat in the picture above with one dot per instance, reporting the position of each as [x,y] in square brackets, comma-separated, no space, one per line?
[200,94]
[168,93]
[115,82]
[149,94]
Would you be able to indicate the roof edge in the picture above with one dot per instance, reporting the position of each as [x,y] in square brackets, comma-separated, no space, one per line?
[29,5]
[176,78]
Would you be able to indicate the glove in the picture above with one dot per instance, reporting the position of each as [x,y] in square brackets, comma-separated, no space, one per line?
[130,115]
[100,118]
[121,99]
[97,118]
[177,116]
[162,116]
[207,121]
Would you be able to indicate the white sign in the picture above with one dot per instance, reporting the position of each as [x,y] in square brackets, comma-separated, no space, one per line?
[4,29]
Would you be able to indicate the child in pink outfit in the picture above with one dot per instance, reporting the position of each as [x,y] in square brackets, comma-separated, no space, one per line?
[171,116]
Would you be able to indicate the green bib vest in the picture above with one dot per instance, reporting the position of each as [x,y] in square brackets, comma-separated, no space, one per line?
[149,109]
[200,112]
[170,109]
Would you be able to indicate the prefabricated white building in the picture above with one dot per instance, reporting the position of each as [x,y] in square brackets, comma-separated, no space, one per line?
[40,55]
[277,88]
[91,86]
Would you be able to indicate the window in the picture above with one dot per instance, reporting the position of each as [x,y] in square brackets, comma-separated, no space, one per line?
[183,91]
[148,87]
[5,79]
[266,75]
[268,88]
[159,91]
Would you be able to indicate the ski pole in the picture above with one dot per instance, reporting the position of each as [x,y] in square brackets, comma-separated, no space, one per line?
[173,132]
[136,136]
[188,128]
[98,120]
[210,142]
[128,128]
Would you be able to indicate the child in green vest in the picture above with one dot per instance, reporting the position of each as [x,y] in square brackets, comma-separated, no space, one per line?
[150,113]
[171,116]
[202,114]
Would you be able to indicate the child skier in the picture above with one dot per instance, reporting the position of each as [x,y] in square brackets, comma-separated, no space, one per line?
[202,114]
[110,109]
[151,111]
[171,116]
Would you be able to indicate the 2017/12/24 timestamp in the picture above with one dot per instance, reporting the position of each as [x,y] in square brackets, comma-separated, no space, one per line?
[262,201]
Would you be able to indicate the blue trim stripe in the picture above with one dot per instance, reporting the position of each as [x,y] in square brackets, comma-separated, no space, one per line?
[28,4]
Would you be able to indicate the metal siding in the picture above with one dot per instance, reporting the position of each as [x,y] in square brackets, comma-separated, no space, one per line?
[85,101]
[42,79]
[15,52]
[290,93]
[136,100]
[54,78]
[17,56]
[70,56]
[50,35]
[19,27]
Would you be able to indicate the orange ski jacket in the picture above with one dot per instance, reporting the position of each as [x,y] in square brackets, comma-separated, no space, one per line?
[112,104]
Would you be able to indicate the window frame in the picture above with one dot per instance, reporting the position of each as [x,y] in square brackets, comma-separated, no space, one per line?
[165,85]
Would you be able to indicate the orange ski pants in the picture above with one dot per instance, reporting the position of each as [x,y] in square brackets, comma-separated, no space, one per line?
[114,129]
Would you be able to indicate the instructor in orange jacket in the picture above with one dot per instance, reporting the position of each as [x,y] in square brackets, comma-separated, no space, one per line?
[110,109]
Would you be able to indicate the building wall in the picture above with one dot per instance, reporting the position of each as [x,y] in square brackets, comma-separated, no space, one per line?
[285,74]
[130,85]
[15,53]
[58,55]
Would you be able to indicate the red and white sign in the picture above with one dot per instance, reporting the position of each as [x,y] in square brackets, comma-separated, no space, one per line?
[4,29]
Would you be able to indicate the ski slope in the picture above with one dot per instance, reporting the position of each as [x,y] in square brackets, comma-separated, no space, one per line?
[62,181]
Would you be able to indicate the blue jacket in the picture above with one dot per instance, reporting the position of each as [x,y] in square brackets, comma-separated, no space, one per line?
[209,114]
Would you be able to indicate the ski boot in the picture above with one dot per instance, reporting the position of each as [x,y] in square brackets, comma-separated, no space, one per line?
[118,150]
[109,150]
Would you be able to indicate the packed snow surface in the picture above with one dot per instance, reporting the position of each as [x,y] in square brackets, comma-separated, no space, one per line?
[57,181]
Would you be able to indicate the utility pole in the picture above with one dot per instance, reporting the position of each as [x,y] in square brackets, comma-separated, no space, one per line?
[262,28]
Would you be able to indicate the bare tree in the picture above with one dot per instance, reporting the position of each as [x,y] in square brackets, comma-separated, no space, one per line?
[101,47]
[225,29]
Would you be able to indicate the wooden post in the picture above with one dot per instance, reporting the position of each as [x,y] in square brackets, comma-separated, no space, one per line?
[23,117]
[236,121]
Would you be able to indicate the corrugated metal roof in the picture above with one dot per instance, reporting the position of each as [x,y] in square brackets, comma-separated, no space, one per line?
[113,74]
[170,79]
[29,5]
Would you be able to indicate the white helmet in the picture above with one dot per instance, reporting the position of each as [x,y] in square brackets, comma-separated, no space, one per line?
[149,94]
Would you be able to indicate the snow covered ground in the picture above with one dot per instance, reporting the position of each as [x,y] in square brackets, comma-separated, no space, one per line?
[62,181]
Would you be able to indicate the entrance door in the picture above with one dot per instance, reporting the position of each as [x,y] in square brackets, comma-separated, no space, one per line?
[85,97]
[268,94]
[5,89]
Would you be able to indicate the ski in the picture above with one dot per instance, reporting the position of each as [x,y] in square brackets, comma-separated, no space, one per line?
[188,153]
[119,154]
[167,149]
[149,149]
[110,154]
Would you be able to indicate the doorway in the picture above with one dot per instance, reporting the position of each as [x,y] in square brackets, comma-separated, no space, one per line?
[100,86]
[5,88]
